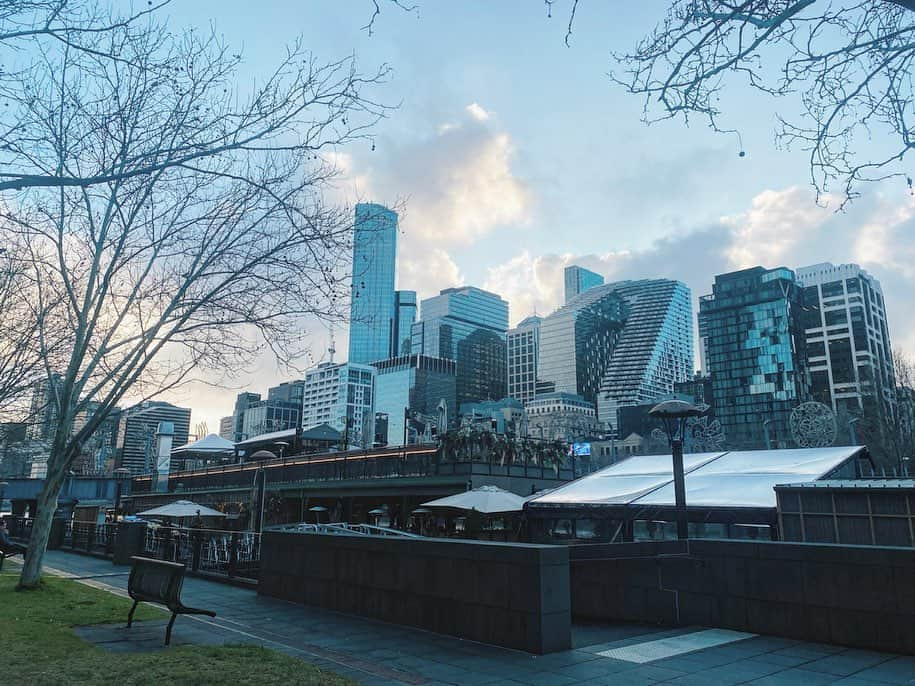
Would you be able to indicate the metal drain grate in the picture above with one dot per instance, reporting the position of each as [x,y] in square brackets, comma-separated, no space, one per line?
[675,645]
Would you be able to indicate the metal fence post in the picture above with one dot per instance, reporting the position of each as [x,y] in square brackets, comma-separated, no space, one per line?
[233,553]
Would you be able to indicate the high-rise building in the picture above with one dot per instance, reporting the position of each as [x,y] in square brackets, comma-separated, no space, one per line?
[405,309]
[467,325]
[44,408]
[618,344]
[136,438]
[98,450]
[752,338]
[288,392]
[341,395]
[267,416]
[242,402]
[578,280]
[847,340]
[523,343]
[415,383]
[227,428]
[372,309]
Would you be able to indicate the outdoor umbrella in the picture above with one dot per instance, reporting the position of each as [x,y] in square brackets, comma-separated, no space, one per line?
[181,508]
[485,499]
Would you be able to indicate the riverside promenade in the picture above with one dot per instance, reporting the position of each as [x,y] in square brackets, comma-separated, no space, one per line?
[375,653]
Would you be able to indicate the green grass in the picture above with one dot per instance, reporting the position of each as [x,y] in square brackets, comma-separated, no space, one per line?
[38,646]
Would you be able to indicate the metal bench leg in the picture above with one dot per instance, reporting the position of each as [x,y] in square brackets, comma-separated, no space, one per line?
[130,614]
[168,631]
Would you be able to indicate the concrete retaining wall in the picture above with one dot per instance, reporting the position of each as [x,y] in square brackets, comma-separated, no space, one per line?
[857,596]
[513,595]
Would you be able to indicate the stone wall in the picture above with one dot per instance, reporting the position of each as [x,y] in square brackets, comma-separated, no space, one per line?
[857,596]
[513,595]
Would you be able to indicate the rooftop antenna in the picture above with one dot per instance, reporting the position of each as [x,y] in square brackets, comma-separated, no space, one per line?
[332,348]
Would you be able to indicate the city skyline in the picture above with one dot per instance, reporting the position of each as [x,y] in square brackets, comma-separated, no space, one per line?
[494,197]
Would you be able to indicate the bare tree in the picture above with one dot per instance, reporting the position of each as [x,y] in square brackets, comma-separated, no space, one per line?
[886,425]
[849,63]
[170,223]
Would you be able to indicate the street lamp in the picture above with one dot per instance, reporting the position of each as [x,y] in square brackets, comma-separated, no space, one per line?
[121,474]
[673,414]
[852,434]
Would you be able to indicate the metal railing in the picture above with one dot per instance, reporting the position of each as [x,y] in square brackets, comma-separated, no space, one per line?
[345,529]
[233,554]
[90,537]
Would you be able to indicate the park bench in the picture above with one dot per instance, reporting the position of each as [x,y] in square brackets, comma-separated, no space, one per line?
[159,582]
[4,553]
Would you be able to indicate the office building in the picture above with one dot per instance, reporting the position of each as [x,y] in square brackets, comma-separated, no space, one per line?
[227,428]
[98,450]
[291,392]
[405,310]
[561,416]
[467,325]
[752,341]
[242,402]
[505,416]
[341,395]
[267,416]
[136,437]
[847,340]
[578,280]
[523,344]
[618,344]
[43,408]
[372,308]
[413,390]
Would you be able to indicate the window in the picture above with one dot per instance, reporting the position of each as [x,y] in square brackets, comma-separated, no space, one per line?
[836,317]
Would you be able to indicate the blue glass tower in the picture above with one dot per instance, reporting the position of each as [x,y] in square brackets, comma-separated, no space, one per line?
[467,325]
[753,348]
[373,307]
[578,280]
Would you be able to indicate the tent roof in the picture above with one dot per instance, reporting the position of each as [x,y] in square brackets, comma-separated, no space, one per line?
[208,444]
[485,499]
[725,479]
[321,432]
[287,434]
[181,508]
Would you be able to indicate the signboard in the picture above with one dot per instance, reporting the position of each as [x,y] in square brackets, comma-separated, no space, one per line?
[581,449]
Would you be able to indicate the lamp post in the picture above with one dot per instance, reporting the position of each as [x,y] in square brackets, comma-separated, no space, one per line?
[673,414]
[121,474]
[852,434]
[766,423]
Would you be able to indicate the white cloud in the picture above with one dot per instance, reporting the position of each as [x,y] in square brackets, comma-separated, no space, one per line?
[776,222]
[427,270]
[477,112]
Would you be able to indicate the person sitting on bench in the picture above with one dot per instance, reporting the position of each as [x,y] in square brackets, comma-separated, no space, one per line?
[7,546]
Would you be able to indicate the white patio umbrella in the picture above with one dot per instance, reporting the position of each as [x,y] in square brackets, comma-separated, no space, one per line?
[180,509]
[485,499]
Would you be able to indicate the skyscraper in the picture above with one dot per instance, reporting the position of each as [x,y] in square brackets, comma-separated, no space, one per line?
[847,339]
[618,344]
[413,382]
[43,409]
[578,280]
[341,395]
[752,339]
[136,439]
[467,325]
[372,309]
[405,310]
[523,343]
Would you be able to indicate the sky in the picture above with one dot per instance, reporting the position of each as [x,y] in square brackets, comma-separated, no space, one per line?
[510,156]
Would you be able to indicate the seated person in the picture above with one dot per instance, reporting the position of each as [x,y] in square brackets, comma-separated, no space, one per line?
[6,544]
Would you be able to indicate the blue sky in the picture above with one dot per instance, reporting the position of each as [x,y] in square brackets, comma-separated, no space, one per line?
[514,155]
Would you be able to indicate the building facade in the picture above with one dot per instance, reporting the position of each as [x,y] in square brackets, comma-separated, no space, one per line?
[43,408]
[500,416]
[523,345]
[372,307]
[414,396]
[578,280]
[618,344]
[242,402]
[267,416]
[227,428]
[561,416]
[136,437]
[849,355]
[753,348]
[405,309]
[467,325]
[341,395]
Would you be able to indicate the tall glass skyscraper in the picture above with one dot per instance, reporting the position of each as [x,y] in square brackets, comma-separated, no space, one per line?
[578,280]
[848,343]
[467,325]
[372,309]
[753,345]
[619,344]
[405,309]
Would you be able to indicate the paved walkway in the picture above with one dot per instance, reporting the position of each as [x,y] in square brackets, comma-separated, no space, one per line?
[375,653]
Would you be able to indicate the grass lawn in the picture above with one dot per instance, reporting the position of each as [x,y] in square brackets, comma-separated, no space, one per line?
[38,646]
